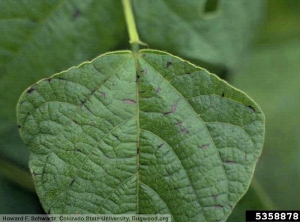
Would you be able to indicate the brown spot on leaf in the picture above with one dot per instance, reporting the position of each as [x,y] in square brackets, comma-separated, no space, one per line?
[102,94]
[179,123]
[144,71]
[48,80]
[129,101]
[204,146]
[218,206]
[184,130]
[173,108]
[158,90]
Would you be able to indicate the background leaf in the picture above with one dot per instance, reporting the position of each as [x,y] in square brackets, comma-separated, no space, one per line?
[279,96]
[16,200]
[104,140]
[213,39]
[44,37]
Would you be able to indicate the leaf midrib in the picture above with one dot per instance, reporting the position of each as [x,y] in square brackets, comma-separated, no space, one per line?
[135,56]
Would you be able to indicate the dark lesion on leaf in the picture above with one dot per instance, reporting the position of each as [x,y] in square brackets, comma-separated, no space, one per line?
[230,162]
[160,145]
[169,64]
[184,130]
[76,14]
[30,90]
[81,102]
[251,108]
[137,76]
[175,188]
[72,182]
[223,94]
[87,108]
[78,150]
[19,127]
[48,79]
[173,109]
[158,90]
[218,206]
[117,137]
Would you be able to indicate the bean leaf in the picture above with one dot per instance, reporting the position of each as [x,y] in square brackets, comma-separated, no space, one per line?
[145,133]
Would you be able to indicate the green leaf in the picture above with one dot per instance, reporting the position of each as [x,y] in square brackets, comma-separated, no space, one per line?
[39,38]
[205,31]
[140,133]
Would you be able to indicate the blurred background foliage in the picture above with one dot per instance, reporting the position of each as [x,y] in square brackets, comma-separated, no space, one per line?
[268,72]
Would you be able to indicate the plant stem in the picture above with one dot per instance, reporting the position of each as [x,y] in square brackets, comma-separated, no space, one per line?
[133,34]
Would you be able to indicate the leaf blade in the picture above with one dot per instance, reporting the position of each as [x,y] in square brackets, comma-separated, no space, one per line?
[138,130]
